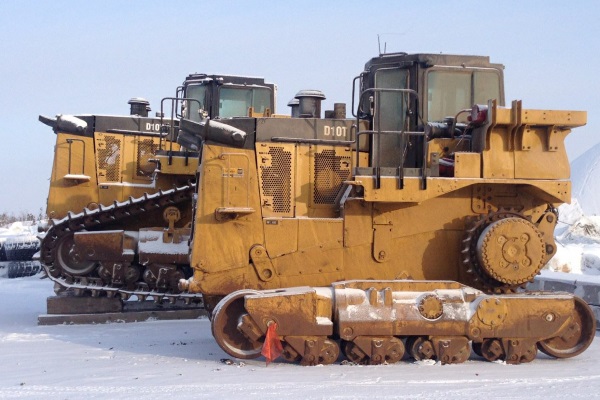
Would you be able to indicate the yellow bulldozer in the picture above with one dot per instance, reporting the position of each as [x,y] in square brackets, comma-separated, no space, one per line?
[420,218]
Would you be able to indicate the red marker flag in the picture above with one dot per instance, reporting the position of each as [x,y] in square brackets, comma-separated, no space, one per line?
[272,347]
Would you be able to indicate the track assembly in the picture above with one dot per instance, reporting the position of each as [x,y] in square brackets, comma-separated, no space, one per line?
[69,269]
[508,327]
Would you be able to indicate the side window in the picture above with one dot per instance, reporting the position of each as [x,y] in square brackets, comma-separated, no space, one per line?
[262,100]
[448,92]
[197,92]
[486,86]
[393,106]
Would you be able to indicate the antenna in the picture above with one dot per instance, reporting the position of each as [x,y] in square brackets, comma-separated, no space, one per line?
[379,46]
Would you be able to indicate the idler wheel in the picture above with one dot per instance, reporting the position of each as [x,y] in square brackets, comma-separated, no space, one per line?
[69,261]
[576,337]
[511,250]
[227,316]
[420,348]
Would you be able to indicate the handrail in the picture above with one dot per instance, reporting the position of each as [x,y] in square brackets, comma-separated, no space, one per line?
[164,132]
[378,132]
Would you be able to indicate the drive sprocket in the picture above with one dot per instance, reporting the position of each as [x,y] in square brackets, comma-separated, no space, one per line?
[503,251]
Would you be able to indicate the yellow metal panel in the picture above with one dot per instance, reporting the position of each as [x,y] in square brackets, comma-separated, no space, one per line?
[498,159]
[324,233]
[109,193]
[430,215]
[225,245]
[553,191]
[312,264]
[533,157]
[467,165]
[561,118]
[358,223]
[73,155]
[319,250]
[281,236]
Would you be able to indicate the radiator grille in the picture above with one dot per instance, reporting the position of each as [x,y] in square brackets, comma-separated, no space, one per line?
[330,171]
[277,179]
[145,151]
[109,159]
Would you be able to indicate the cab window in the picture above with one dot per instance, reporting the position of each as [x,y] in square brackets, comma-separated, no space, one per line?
[235,102]
[450,91]
[197,92]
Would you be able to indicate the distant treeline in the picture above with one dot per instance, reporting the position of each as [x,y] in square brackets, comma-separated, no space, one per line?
[8,218]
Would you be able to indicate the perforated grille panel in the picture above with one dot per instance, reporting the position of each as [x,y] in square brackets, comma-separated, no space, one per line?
[109,159]
[277,179]
[145,151]
[330,171]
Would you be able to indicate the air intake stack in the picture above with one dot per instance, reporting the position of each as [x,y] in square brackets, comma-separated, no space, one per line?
[310,103]
[139,106]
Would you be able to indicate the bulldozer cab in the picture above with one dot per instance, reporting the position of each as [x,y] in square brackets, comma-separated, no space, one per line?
[222,96]
[403,95]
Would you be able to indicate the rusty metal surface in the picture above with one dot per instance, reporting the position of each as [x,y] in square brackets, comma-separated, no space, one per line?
[372,322]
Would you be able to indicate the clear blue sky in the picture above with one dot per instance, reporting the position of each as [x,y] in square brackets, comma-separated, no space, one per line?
[70,57]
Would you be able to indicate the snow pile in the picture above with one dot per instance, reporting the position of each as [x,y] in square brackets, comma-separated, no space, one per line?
[18,244]
[578,230]
[585,176]
[18,228]
[578,248]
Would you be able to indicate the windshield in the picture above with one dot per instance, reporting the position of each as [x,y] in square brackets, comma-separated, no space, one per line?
[235,101]
[449,92]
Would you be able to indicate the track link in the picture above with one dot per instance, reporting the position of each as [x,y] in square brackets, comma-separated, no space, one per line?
[94,220]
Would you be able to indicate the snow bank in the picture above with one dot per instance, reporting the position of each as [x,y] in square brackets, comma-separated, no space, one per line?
[578,230]
[578,243]
[18,228]
[585,176]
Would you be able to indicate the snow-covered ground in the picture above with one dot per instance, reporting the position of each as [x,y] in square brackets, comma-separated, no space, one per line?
[179,359]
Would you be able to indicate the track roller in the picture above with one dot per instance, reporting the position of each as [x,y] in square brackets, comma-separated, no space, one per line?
[314,350]
[374,350]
